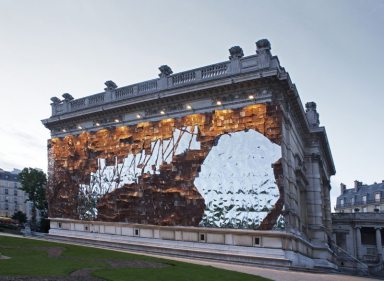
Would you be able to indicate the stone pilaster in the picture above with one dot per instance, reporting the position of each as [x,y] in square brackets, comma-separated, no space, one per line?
[378,242]
[358,243]
[315,200]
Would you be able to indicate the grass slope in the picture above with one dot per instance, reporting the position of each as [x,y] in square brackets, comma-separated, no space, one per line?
[35,258]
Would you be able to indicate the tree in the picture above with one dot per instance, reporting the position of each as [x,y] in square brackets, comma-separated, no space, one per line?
[33,182]
[20,217]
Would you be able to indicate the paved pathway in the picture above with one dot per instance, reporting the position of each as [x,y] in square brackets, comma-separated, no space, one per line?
[278,275]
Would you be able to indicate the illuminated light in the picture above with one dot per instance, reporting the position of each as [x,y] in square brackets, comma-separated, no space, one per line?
[251,97]
[117,120]
[218,102]
[138,116]
[189,106]
[167,120]
[97,124]
[64,130]
[162,112]
[79,127]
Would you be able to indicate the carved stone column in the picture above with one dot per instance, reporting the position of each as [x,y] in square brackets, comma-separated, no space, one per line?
[378,242]
[358,243]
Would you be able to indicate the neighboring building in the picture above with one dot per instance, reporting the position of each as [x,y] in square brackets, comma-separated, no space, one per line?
[223,157]
[358,224]
[361,198]
[12,199]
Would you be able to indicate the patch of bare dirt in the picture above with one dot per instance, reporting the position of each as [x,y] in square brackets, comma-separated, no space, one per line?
[53,252]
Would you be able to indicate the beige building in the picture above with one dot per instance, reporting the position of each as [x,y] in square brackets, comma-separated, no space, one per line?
[12,199]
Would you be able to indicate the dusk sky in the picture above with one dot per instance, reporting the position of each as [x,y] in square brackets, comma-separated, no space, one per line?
[333,50]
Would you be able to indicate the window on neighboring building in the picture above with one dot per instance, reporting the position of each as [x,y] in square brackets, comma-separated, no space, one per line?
[342,202]
[368,236]
[6,191]
[365,209]
[364,199]
[15,192]
[353,200]
[377,197]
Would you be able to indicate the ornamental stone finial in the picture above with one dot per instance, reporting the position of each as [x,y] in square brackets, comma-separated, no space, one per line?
[312,115]
[110,85]
[165,71]
[67,97]
[263,44]
[55,100]
[236,52]
[263,47]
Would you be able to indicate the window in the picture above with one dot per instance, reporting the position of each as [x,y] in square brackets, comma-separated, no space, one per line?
[202,237]
[342,202]
[365,209]
[368,236]
[353,200]
[6,191]
[15,192]
[377,197]
[364,199]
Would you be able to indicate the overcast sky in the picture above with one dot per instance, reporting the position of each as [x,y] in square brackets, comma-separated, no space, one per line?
[333,50]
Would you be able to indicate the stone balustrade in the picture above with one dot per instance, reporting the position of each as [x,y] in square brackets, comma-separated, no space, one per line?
[237,64]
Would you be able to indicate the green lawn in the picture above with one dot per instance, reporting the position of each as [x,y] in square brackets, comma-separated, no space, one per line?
[40,258]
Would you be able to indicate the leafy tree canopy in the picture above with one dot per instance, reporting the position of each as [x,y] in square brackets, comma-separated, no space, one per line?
[33,182]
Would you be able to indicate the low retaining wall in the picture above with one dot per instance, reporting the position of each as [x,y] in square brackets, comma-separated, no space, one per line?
[274,248]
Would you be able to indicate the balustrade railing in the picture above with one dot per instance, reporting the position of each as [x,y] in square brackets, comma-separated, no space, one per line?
[78,104]
[96,99]
[359,203]
[147,86]
[124,92]
[215,71]
[184,77]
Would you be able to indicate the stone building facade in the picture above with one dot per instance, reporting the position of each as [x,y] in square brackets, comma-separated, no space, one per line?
[358,224]
[220,156]
[361,198]
[12,199]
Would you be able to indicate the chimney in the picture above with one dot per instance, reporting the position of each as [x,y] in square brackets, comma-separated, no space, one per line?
[357,185]
[343,187]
